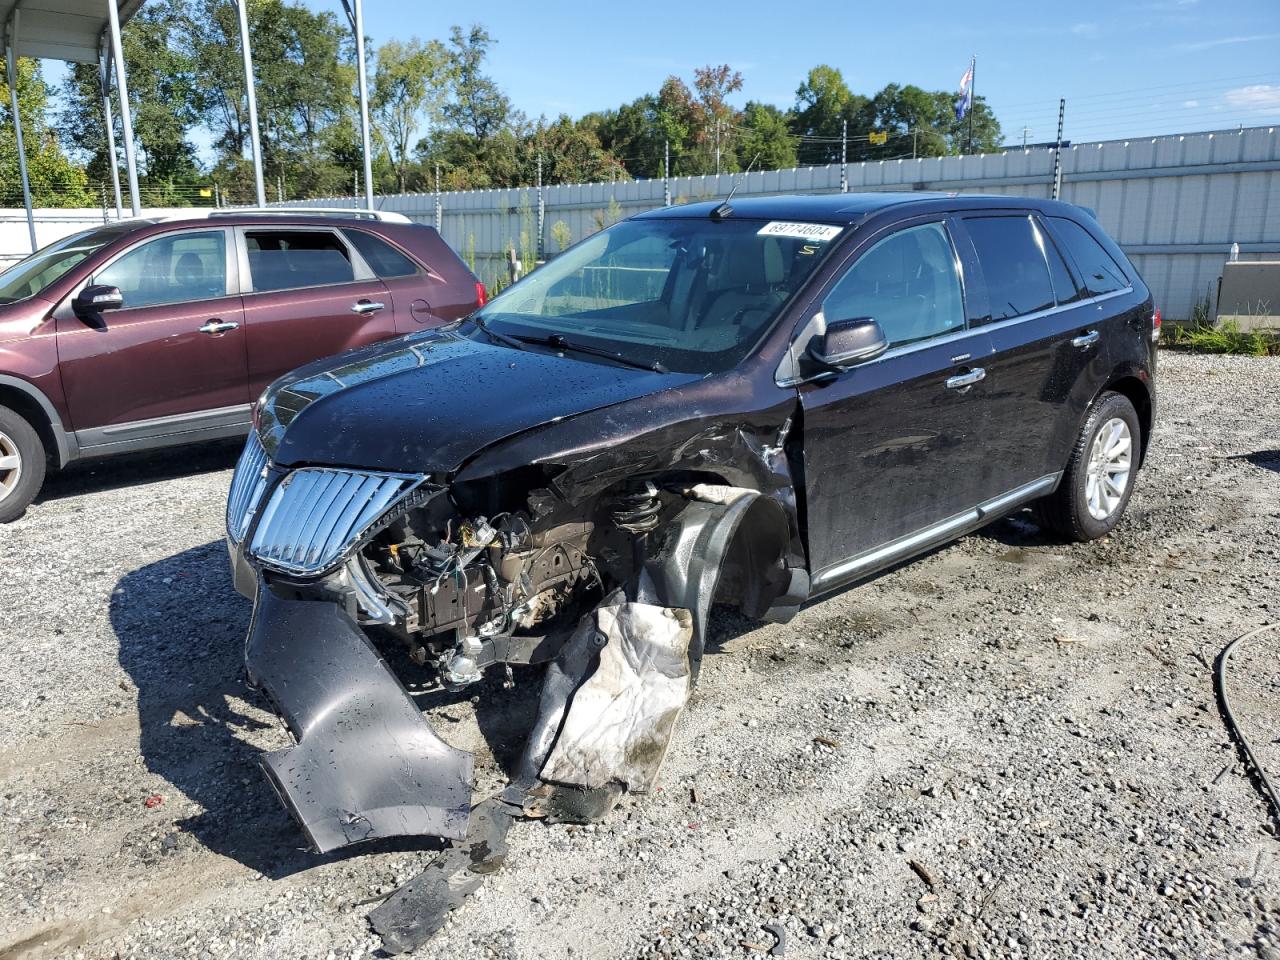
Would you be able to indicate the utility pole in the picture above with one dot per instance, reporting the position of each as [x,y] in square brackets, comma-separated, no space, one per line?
[1025,132]
[666,173]
[355,15]
[439,211]
[251,99]
[844,156]
[717,146]
[915,142]
[542,210]
[1057,151]
[280,187]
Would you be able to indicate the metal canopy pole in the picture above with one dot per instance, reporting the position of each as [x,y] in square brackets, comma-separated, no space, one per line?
[253,102]
[11,72]
[104,80]
[126,117]
[356,17]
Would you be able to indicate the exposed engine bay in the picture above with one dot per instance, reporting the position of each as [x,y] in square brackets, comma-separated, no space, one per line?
[476,586]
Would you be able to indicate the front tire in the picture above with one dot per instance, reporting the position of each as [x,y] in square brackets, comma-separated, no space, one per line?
[1100,473]
[22,464]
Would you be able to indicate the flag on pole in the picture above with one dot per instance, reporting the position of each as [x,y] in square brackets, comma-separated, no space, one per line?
[965,103]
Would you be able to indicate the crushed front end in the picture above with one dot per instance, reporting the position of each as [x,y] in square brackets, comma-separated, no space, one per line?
[493,573]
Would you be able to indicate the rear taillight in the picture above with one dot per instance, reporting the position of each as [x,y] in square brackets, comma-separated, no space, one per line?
[482,295]
[1155,325]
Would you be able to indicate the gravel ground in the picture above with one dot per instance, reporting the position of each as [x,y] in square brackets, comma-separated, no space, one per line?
[1007,748]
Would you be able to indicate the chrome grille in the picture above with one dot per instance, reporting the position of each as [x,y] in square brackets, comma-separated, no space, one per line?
[247,484]
[315,515]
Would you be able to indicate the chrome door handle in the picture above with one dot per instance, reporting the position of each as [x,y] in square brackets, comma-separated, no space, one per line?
[218,326]
[1086,339]
[962,381]
[367,306]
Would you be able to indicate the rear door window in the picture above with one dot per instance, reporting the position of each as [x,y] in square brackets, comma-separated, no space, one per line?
[383,259]
[908,282]
[288,259]
[175,268]
[1101,273]
[1013,265]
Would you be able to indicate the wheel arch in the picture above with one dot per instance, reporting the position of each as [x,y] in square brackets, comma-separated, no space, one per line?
[1136,390]
[745,539]
[33,406]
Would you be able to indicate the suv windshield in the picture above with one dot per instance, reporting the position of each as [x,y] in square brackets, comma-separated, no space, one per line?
[28,277]
[693,295]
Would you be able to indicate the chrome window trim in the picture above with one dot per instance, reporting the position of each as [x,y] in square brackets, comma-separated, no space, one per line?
[998,325]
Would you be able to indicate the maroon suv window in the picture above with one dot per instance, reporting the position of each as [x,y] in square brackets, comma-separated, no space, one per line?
[383,259]
[287,259]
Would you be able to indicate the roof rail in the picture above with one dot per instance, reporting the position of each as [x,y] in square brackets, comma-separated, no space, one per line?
[347,213]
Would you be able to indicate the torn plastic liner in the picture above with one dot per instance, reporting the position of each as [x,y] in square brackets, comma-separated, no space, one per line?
[609,707]
[366,764]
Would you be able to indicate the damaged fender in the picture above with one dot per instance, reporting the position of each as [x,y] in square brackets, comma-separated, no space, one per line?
[367,764]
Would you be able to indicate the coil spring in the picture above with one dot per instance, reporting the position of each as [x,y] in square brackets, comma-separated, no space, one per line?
[636,511]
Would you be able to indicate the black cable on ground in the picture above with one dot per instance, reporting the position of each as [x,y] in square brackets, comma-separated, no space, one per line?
[1253,768]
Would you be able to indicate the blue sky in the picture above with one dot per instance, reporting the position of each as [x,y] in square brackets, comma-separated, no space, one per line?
[1127,69]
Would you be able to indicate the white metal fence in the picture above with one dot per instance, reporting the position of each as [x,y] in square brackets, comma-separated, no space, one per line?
[1175,203]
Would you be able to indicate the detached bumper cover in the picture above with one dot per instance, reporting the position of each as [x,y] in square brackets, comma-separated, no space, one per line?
[367,764]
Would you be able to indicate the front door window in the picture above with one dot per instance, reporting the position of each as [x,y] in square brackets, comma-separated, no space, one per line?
[180,268]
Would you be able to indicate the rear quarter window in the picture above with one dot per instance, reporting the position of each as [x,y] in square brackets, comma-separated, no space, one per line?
[383,259]
[1100,272]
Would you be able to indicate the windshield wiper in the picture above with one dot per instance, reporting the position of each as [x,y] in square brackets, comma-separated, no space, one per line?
[560,343]
[495,335]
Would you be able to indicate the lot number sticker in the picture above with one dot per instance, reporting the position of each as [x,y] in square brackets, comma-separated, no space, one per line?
[821,232]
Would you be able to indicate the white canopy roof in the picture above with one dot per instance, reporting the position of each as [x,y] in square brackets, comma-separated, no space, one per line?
[62,29]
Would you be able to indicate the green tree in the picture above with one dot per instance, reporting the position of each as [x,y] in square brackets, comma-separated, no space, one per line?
[409,91]
[632,135]
[55,180]
[573,154]
[823,103]
[765,136]
[476,106]
[305,80]
[163,95]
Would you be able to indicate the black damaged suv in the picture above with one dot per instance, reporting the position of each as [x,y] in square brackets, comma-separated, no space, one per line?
[754,402]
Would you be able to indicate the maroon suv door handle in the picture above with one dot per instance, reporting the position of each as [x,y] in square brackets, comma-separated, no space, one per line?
[215,326]
[367,306]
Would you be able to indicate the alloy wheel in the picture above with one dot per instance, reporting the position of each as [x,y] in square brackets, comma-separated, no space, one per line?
[10,465]
[1110,463]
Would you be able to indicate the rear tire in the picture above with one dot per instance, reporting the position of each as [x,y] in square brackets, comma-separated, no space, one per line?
[22,464]
[1098,480]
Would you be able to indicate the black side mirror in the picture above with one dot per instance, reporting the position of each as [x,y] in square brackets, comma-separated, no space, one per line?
[95,298]
[849,342]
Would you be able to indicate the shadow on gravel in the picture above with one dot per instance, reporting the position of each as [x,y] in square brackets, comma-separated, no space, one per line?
[181,629]
[88,476]
[1267,459]
[1016,530]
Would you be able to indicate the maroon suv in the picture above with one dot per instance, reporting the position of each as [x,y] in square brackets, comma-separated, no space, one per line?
[149,333]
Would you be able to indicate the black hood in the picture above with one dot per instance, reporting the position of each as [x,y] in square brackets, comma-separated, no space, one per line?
[429,402]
